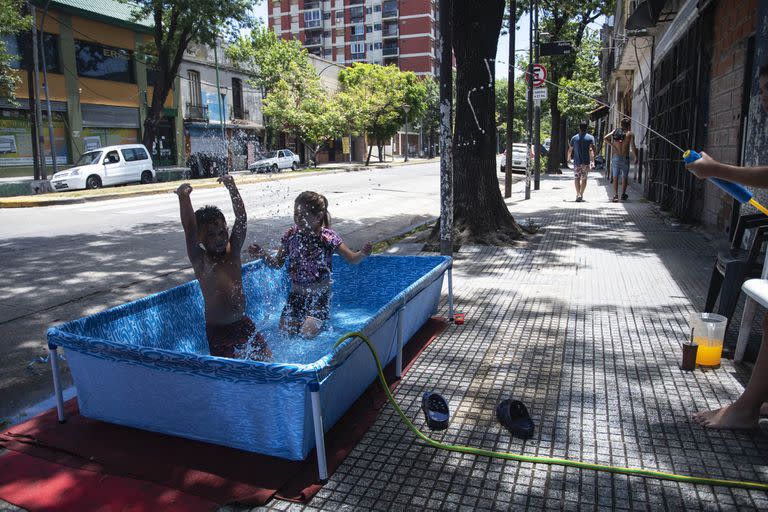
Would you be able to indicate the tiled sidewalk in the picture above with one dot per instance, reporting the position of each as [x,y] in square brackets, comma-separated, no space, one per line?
[582,323]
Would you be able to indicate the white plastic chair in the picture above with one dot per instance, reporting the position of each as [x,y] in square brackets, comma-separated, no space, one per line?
[756,291]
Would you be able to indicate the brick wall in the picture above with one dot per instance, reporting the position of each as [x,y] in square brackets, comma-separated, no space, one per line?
[734,22]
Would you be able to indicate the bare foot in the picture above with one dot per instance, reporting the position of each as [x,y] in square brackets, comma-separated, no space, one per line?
[728,417]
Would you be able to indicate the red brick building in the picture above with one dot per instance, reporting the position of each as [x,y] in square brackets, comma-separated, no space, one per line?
[399,32]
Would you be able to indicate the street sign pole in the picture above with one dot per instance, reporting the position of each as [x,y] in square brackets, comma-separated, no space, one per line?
[537,115]
[530,106]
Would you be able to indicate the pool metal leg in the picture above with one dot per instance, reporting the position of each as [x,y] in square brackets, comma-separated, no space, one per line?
[400,334]
[450,293]
[53,357]
[317,417]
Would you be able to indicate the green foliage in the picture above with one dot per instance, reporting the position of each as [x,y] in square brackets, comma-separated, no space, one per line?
[585,79]
[268,58]
[12,21]
[375,95]
[431,118]
[306,112]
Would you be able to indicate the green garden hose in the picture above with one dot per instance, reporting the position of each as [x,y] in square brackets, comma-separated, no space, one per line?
[544,460]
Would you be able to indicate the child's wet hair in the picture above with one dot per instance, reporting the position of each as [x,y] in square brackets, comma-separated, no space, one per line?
[314,203]
[208,215]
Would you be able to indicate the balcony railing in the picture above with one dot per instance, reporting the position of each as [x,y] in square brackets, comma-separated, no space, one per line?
[389,10]
[239,113]
[196,112]
[308,6]
[392,31]
[390,51]
[313,41]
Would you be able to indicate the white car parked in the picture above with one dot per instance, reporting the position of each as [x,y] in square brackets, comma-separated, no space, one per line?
[275,161]
[111,165]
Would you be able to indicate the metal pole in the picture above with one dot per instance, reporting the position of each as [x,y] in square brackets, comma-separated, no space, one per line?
[537,115]
[400,336]
[406,135]
[510,100]
[40,170]
[218,94]
[47,98]
[317,420]
[446,125]
[530,104]
[53,357]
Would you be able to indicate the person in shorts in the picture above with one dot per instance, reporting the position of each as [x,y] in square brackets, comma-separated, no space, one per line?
[581,150]
[621,140]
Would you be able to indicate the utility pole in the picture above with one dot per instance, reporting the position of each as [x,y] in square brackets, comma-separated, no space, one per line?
[54,164]
[406,109]
[537,115]
[446,124]
[530,104]
[39,170]
[510,100]
[218,94]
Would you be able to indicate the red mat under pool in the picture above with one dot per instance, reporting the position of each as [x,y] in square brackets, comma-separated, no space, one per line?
[85,464]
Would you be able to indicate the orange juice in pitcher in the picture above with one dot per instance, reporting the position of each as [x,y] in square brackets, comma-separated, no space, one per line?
[708,334]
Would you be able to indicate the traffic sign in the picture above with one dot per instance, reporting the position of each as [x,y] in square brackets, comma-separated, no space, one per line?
[556,48]
[539,75]
[539,93]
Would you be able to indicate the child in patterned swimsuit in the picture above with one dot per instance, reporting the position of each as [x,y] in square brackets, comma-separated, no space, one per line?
[309,246]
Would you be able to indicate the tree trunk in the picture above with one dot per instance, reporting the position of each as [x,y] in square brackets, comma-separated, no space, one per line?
[480,215]
[379,146]
[370,150]
[556,137]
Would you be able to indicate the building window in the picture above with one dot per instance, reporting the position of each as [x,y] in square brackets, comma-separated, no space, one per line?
[358,48]
[19,48]
[377,27]
[377,46]
[368,10]
[237,98]
[368,29]
[104,62]
[195,94]
[339,14]
[377,8]
[327,33]
[326,15]
[312,19]
[356,13]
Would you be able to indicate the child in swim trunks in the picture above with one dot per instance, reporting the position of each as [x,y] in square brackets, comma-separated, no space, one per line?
[215,257]
[309,246]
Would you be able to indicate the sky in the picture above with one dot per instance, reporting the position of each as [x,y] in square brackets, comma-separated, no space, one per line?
[502,49]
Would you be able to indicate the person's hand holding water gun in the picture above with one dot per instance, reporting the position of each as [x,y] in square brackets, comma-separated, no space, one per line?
[708,167]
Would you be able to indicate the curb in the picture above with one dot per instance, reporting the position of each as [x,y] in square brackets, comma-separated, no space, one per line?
[31,203]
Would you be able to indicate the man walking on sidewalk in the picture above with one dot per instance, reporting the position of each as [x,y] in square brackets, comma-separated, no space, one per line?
[582,151]
[621,141]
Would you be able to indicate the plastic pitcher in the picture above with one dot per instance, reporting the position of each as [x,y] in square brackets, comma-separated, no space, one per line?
[708,334]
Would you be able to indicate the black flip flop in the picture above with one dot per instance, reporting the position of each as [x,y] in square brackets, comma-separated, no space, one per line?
[513,415]
[436,410]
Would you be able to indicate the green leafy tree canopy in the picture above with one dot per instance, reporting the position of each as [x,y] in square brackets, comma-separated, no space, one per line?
[12,21]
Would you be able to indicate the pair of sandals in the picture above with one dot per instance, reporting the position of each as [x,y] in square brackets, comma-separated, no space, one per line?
[512,414]
[624,197]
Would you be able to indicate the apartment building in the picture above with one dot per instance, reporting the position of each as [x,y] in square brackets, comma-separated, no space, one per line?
[399,32]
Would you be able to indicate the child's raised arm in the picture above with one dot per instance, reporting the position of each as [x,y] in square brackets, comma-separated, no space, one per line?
[354,257]
[237,237]
[188,222]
